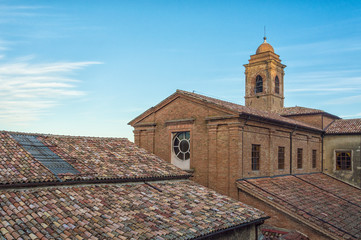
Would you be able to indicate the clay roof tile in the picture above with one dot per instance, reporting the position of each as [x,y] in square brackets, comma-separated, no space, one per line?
[345,126]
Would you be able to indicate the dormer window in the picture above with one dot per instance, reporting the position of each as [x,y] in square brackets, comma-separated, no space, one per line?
[259,84]
[277,85]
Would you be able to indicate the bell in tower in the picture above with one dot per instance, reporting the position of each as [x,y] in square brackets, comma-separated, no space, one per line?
[264,79]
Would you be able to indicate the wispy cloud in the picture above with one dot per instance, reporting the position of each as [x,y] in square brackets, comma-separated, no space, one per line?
[345,100]
[322,90]
[29,90]
[3,46]
[357,115]
[325,82]
[19,10]
[324,47]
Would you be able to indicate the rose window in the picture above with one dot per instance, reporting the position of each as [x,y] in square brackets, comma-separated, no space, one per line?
[181,145]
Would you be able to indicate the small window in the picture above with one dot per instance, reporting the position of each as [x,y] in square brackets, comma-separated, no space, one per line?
[181,145]
[299,157]
[277,85]
[343,161]
[281,157]
[314,158]
[259,84]
[255,156]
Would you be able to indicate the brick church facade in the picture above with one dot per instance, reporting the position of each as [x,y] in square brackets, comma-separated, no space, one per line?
[230,141]
[282,160]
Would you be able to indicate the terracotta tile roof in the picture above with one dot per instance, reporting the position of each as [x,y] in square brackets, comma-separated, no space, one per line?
[182,210]
[108,158]
[94,158]
[298,111]
[135,208]
[345,126]
[247,110]
[293,111]
[17,165]
[316,199]
[334,186]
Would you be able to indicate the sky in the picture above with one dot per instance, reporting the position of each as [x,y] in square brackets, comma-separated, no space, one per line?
[89,67]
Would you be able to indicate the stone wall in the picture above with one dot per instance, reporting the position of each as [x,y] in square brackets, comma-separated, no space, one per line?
[352,143]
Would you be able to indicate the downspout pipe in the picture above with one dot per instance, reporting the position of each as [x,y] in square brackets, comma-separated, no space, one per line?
[322,136]
[291,133]
[245,123]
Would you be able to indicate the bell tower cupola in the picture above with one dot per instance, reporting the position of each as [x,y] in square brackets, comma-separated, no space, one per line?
[264,79]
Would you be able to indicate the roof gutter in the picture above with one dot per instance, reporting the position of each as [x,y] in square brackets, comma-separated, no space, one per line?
[344,133]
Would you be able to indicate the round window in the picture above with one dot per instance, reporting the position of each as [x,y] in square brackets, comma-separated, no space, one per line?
[181,145]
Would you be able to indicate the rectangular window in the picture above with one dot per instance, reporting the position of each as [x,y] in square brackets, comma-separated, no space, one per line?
[255,156]
[281,157]
[299,157]
[343,161]
[314,158]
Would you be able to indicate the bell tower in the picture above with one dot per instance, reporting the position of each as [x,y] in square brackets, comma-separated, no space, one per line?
[264,79]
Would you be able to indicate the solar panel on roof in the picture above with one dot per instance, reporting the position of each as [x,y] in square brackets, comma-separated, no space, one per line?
[44,155]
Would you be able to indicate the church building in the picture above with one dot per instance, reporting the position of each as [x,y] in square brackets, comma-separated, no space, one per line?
[221,141]
[255,152]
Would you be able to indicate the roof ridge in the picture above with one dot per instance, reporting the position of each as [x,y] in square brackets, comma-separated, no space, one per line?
[248,110]
[219,99]
[97,180]
[60,135]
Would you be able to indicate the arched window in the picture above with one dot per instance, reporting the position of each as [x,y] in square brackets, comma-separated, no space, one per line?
[277,85]
[259,84]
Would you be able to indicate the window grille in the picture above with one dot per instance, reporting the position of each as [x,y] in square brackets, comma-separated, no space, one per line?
[255,156]
[281,157]
[343,161]
[299,157]
[314,158]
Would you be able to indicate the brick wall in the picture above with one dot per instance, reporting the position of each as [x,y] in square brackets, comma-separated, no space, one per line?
[221,144]
[318,120]
[313,120]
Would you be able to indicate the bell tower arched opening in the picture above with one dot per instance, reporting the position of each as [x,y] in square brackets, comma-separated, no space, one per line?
[264,79]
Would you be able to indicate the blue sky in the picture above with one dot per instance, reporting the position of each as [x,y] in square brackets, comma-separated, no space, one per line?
[89,67]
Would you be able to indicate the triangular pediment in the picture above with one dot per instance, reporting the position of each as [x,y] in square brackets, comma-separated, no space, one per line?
[179,94]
